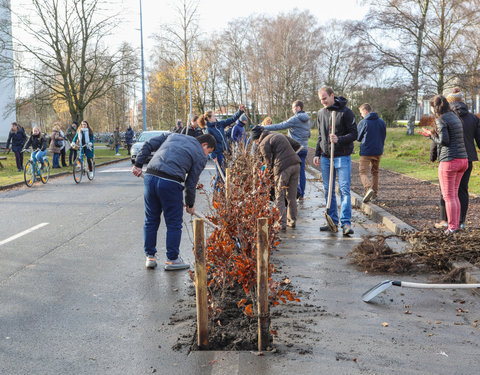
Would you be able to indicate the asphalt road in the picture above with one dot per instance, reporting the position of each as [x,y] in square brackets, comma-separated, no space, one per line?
[75,297]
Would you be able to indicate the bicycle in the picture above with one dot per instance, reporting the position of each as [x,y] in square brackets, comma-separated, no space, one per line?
[80,167]
[33,170]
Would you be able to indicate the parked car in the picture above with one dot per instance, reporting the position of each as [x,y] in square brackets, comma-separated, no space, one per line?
[145,136]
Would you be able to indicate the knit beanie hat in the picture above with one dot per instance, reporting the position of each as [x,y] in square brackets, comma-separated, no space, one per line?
[256,132]
[455,96]
[243,118]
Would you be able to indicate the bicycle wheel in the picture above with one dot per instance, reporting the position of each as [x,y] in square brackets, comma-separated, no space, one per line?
[45,173]
[93,171]
[29,173]
[78,170]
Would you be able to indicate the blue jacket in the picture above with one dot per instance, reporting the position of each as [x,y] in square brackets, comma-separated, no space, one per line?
[298,127]
[372,131]
[18,139]
[129,136]
[238,133]
[217,129]
[176,155]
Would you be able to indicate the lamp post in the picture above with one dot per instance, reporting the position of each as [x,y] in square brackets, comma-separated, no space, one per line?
[144,115]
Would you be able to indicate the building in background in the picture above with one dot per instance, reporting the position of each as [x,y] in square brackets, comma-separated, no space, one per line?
[7,80]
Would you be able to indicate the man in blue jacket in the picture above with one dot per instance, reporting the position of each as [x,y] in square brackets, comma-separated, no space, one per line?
[371,133]
[345,135]
[177,164]
[299,129]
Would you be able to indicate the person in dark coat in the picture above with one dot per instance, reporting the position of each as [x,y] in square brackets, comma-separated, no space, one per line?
[129,134]
[117,141]
[372,131]
[345,134]
[193,130]
[217,129]
[71,131]
[452,156]
[239,134]
[56,143]
[176,166]
[17,138]
[278,152]
[39,145]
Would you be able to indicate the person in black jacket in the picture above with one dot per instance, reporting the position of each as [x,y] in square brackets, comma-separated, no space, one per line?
[39,145]
[452,156]
[471,135]
[129,134]
[345,135]
[17,137]
[193,129]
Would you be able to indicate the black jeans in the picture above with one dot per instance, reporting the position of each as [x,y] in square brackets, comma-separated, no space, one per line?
[62,156]
[462,195]
[19,159]
[72,155]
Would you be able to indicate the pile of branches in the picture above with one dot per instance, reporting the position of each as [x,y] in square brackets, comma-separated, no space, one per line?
[428,250]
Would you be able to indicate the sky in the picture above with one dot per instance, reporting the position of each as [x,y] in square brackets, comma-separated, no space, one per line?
[214,15]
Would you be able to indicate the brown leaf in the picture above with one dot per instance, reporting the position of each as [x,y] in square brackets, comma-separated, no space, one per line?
[385,324]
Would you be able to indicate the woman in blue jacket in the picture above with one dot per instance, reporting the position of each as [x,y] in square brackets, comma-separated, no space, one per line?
[217,129]
[18,137]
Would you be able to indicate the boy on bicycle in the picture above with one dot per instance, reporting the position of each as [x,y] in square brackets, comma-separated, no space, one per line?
[177,164]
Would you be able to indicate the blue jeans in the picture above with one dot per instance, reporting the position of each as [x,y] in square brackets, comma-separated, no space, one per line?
[117,148]
[302,180]
[56,160]
[218,178]
[38,155]
[342,167]
[161,195]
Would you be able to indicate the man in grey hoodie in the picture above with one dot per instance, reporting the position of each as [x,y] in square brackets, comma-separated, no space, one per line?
[299,129]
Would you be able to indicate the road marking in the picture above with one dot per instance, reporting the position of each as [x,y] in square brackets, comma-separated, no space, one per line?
[23,233]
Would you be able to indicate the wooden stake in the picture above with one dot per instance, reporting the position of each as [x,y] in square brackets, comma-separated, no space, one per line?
[200,283]
[228,177]
[262,283]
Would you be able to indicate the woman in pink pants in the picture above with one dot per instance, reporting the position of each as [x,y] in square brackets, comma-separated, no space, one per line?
[451,154]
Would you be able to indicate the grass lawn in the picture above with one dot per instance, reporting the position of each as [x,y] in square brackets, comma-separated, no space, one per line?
[9,174]
[409,154]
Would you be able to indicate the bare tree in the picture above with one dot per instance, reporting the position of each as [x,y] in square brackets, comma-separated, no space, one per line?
[66,42]
[396,29]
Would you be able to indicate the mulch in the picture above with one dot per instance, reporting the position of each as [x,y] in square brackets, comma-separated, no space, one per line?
[413,201]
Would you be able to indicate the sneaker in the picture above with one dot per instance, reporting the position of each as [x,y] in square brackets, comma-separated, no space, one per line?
[368,195]
[176,264]
[441,225]
[461,226]
[151,262]
[347,230]
[326,228]
[449,231]
[117,154]
[90,175]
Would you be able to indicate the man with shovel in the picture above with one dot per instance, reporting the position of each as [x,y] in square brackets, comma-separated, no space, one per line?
[176,166]
[337,131]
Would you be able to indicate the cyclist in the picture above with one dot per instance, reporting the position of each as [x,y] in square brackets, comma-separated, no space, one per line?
[39,145]
[84,140]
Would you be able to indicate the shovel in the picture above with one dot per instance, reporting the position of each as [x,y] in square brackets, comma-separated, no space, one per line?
[330,222]
[220,170]
[379,288]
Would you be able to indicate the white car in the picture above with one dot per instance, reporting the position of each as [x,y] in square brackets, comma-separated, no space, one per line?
[145,136]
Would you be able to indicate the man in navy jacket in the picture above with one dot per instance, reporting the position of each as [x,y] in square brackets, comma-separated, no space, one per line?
[371,133]
[177,164]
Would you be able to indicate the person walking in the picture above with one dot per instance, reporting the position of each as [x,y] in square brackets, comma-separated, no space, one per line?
[129,134]
[193,129]
[17,138]
[298,127]
[217,129]
[56,143]
[71,131]
[345,134]
[278,153]
[63,149]
[372,131]
[176,166]
[38,143]
[452,156]
[84,138]
[471,135]
[117,141]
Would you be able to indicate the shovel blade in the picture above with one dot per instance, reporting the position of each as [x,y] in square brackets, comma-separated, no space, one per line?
[330,222]
[376,290]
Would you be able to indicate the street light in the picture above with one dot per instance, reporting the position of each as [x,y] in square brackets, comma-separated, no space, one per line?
[144,115]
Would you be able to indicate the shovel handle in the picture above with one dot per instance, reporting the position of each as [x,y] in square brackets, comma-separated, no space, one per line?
[330,180]
[220,170]
[407,284]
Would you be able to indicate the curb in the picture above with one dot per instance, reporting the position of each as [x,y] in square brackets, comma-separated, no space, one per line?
[397,226]
[61,174]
